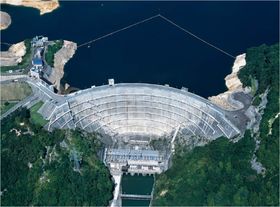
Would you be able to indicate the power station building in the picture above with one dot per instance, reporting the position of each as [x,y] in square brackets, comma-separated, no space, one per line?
[135,161]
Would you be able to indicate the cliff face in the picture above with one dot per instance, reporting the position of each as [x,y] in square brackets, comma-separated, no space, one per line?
[224,100]
[45,6]
[60,59]
[5,20]
[14,55]
[232,81]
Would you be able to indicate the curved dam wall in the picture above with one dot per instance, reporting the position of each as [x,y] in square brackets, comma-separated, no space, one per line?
[131,110]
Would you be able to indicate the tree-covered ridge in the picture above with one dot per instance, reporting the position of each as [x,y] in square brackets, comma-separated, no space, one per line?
[263,66]
[210,175]
[57,168]
[220,173]
[51,50]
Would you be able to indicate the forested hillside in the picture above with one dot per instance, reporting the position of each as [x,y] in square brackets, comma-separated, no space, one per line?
[60,168]
[263,66]
[220,173]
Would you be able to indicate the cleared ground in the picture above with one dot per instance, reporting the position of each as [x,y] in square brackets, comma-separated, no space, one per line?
[14,91]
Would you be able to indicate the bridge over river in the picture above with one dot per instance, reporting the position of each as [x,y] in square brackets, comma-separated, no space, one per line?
[136,197]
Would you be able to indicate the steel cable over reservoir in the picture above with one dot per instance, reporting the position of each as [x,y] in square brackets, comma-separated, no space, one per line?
[188,32]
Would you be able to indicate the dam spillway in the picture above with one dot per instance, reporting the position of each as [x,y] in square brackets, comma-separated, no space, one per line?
[129,110]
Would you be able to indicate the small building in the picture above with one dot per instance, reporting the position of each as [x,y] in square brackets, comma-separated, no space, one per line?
[111,82]
[37,67]
[39,41]
[37,62]
[35,72]
[135,161]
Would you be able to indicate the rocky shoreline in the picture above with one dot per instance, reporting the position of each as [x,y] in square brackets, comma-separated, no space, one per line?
[13,55]
[5,20]
[45,6]
[61,57]
[225,100]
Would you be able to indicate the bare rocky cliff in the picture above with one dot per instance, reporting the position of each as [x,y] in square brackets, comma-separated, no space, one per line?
[45,6]
[5,20]
[232,81]
[60,59]
[233,84]
[14,55]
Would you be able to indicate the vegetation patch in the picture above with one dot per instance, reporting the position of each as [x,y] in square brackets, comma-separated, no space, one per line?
[254,85]
[5,106]
[26,59]
[14,91]
[257,100]
[38,167]
[216,174]
[35,117]
[263,65]
[51,50]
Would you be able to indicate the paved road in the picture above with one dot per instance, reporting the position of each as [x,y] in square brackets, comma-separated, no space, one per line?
[44,89]
[35,84]
[10,78]
[28,101]
[40,89]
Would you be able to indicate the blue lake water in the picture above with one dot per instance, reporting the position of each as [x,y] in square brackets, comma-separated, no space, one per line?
[154,52]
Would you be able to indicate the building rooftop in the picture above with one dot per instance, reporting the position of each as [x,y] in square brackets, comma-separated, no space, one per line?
[37,61]
[133,152]
[35,69]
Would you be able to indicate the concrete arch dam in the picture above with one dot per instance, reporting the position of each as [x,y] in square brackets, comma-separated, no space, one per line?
[137,109]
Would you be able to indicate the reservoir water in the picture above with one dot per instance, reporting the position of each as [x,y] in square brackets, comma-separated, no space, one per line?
[154,52]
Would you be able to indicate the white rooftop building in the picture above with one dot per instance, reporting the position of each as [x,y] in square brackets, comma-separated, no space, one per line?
[39,41]
[135,161]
